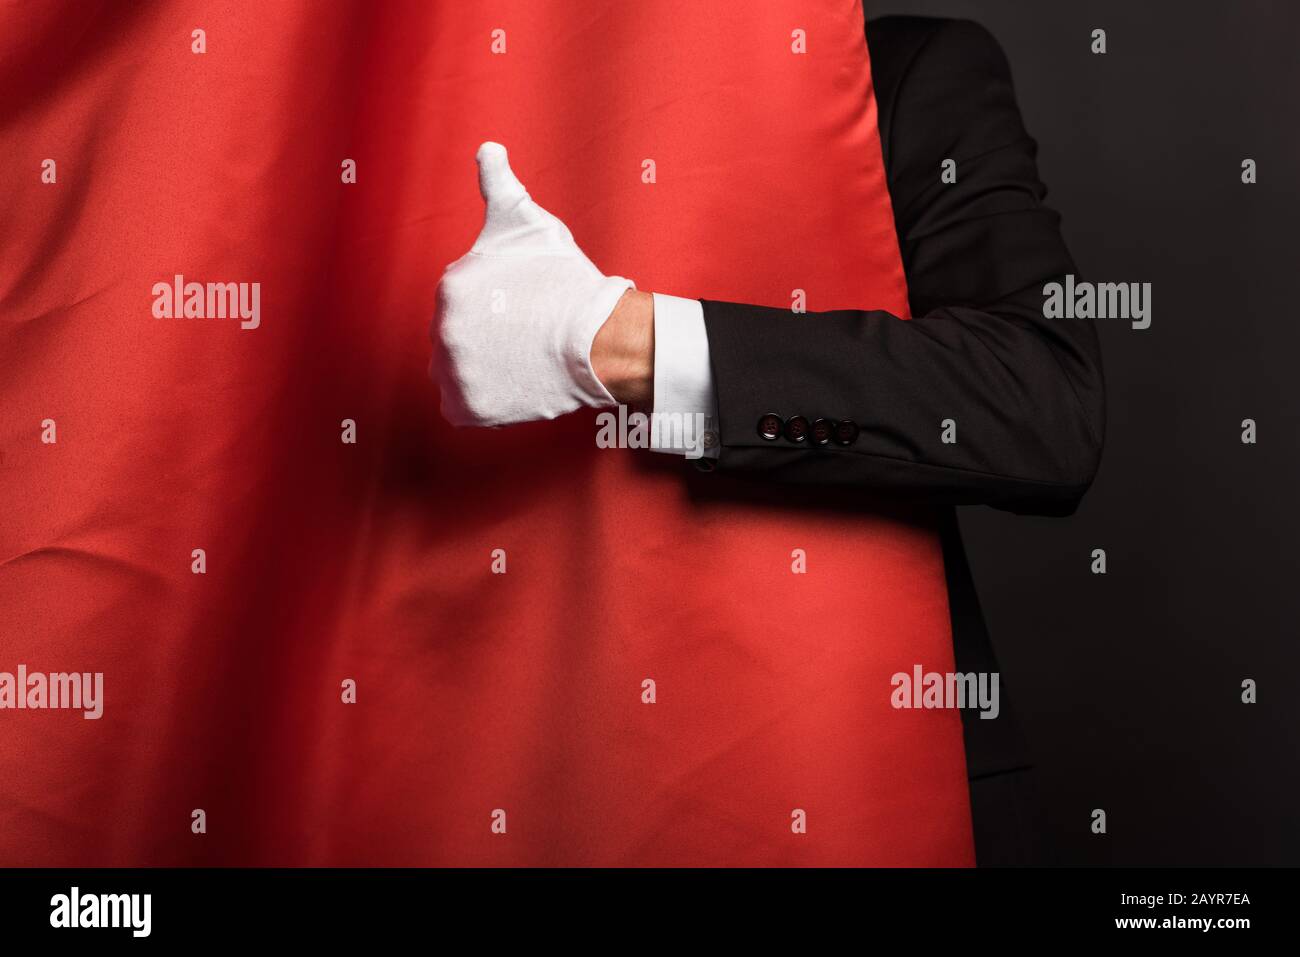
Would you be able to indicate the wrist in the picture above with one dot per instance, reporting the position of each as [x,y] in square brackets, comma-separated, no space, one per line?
[623,352]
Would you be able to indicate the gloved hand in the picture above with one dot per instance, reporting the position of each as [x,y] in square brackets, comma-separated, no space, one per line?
[517,314]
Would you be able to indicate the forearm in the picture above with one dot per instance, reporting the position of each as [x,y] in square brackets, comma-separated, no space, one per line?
[961,406]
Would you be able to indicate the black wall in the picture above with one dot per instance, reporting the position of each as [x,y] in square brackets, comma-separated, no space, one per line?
[1129,683]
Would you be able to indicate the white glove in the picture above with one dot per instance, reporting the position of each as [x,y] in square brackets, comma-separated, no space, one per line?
[517,314]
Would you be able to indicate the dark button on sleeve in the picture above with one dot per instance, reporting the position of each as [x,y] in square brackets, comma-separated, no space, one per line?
[797,428]
[769,426]
[823,430]
[846,432]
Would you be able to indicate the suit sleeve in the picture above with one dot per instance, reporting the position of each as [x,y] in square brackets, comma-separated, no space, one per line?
[1024,394]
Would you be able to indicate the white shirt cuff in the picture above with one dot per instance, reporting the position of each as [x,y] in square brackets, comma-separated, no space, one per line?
[685,414]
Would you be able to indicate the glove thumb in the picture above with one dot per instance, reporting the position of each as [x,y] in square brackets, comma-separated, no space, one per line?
[512,222]
[496,180]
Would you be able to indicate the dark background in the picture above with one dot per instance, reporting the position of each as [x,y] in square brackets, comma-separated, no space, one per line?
[1129,683]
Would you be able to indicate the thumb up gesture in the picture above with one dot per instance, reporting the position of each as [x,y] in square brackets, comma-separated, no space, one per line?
[517,314]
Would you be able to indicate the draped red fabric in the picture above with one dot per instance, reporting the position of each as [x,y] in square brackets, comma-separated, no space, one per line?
[499,718]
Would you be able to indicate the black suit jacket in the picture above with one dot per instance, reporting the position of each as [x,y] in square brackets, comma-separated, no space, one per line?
[1026,392]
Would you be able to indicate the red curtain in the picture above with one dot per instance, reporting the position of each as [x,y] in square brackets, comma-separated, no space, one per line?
[483,700]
